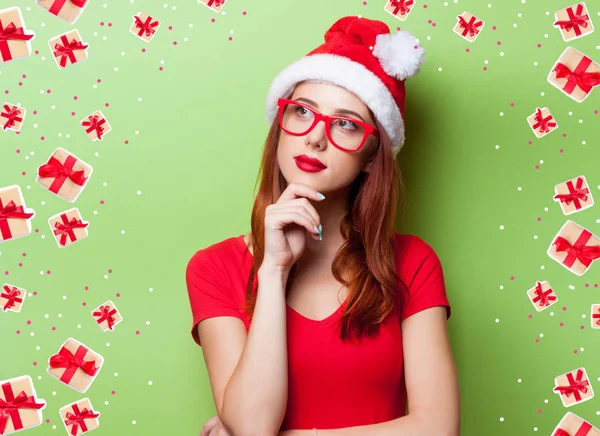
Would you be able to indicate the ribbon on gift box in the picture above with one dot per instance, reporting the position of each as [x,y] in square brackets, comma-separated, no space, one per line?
[76,419]
[11,33]
[574,386]
[401,6]
[578,251]
[575,21]
[216,2]
[72,362]
[577,77]
[10,211]
[597,315]
[543,297]
[575,194]
[145,26]
[470,27]
[57,5]
[543,123]
[106,314]
[9,408]
[12,295]
[65,228]
[583,430]
[12,114]
[94,124]
[60,172]
[66,49]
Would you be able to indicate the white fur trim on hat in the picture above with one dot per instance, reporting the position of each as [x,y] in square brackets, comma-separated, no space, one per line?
[399,54]
[353,76]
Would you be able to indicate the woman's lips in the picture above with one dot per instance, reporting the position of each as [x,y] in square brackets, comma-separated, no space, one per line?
[309,168]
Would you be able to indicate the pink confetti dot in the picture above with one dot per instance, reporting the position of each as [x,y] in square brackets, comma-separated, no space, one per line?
[126,141]
[398,28]
[530,142]
[24,254]
[74,97]
[564,135]
[34,363]
[53,328]
[20,83]
[112,392]
[170,27]
[429,21]
[48,272]
[84,303]
[118,294]
[101,201]
[244,13]
[564,308]
[143,50]
[212,20]
[596,112]
[539,411]
[537,167]
[42,138]
[137,332]
[499,43]
[530,316]
[102,23]
[28,321]
[6,91]
[73,113]
[109,24]
[37,52]
[24,76]
[539,218]
[99,80]
[595,285]
[22,173]
[106,104]
[575,351]
[86,288]
[484,68]
[110,271]
[48,91]
[6,273]
[493,27]
[512,104]
[433,24]
[47,420]
[582,327]
[512,277]
[37,230]
[587,285]
[174,42]
[562,324]
[160,68]
[18,332]
[537,340]
[539,45]
[561,150]
[467,50]
[34,292]
[34,112]
[424,6]
[18,151]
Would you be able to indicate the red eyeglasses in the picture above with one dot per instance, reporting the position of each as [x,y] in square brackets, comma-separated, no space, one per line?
[347,134]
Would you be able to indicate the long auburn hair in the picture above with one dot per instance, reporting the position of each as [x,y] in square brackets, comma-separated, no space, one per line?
[368,255]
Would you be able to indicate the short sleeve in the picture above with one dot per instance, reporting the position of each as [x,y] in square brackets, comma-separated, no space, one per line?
[427,288]
[208,289]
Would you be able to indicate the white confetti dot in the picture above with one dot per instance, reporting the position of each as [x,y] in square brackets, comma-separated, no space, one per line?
[133,422]
[104,38]
[108,344]
[501,286]
[542,267]
[104,5]
[440,69]
[43,24]
[581,349]
[68,135]
[139,193]
[545,34]
[32,334]
[174,7]
[95,212]
[501,419]
[46,315]
[583,315]
[122,53]
[35,125]
[519,15]
[150,382]
[489,5]
[116,374]
[191,25]
[162,62]
[501,227]
[580,121]
[39,377]
[542,93]
[541,335]
[116,68]
[106,402]
[41,272]
[541,161]
[497,320]
[122,232]
[519,380]
[501,114]
[95,33]
[583,142]
[485,62]
[60,315]
[153,289]
[64,297]
[546,401]
[105,276]
[137,132]
[104,184]
[185,39]
[94,86]
[53,107]
[501,53]
[53,427]
[60,135]
[515,25]
[535,63]
[37,348]
[53,392]
[78,326]
[147,322]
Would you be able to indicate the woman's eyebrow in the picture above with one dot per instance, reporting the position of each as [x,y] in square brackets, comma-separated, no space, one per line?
[337,110]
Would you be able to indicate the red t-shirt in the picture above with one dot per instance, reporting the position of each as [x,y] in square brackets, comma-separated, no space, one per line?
[331,384]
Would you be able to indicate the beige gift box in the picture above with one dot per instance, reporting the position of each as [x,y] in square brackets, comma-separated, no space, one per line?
[595,318]
[572,64]
[571,239]
[574,195]
[468,26]
[11,117]
[12,203]
[542,122]
[68,10]
[73,417]
[68,227]
[96,126]
[68,49]
[573,387]
[104,312]
[144,26]
[29,417]
[575,425]
[55,180]
[542,296]
[12,297]
[12,49]
[69,373]
[215,5]
[399,8]
[573,22]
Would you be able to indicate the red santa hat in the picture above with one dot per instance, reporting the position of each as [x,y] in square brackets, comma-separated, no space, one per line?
[362,56]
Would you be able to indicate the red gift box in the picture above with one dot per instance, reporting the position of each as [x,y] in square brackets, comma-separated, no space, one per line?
[573,387]
[11,117]
[107,316]
[595,319]
[573,195]
[144,26]
[573,425]
[15,218]
[542,122]
[20,407]
[75,365]
[79,417]
[468,26]
[68,227]
[96,126]
[68,10]
[68,49]
[542,295]
[575,74]
[399,8]
[575,248]
[215,5]
[14,42]
[573,22]
[12,297]
[64,174]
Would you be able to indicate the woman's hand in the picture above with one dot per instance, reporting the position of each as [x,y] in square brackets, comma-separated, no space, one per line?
[214,427]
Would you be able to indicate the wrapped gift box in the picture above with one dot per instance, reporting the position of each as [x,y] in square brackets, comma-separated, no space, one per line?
[15,218]
[107,316]
[96,126]
[68,10]
[144,26]
[573,22]
[68,227]
[68,49]
[572,424]
[79,417]
[542,295]
[542,122]
[574,247]
[64,174]
[12,297]
[575,74]
[399,8]
[573,387]
[11,117]
[573,195]
[468,26]
[75,365]
[15,39]
[23,408]
[215,5]
[595,319]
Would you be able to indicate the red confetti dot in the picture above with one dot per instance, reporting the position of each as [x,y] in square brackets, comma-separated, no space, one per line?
[86,288]
[493,27]
[18,332]
[53,328]
[118,294]
[47,420]
[20,83]
[499,43]
[244,13]
[102,23]
[84,303]
[174,42]
[110,270]
[42,138]
[74,97]
[137,332]
[561,324]
[467,50]
[539,45]
[170,27]
[34,363]
[112,392]
[28,321]
[126,141]
[101,201]
[34,112]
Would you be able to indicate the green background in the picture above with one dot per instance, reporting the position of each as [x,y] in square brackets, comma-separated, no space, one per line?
[480,188]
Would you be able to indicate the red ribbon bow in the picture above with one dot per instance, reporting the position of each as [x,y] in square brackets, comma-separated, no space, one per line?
[574,386]
[401,5]
[543,297]
[66,49]
[65,359]
[10,211]
[11,33]
[12,295]
[106,314]
[77,419]
[216,2]
[9,408]
[66,228]
[12,114]
[94,125]
[597,315]
[583,430]
[575,193]
[577,77]
[145,26]
[470,27]
[578,251]
[58,4]
[575,21]
[60,172]
[543,123]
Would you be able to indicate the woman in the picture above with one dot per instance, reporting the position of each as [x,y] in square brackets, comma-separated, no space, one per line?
[331,334]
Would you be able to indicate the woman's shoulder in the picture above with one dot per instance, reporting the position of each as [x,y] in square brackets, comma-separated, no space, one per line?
[221,250]
[412,244]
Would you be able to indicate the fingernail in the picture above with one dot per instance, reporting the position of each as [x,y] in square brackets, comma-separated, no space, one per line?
[321,196]
[318,229]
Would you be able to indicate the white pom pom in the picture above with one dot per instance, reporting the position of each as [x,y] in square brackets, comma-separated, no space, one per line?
[399,54]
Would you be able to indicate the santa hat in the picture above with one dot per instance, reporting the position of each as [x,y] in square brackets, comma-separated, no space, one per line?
[362,56]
